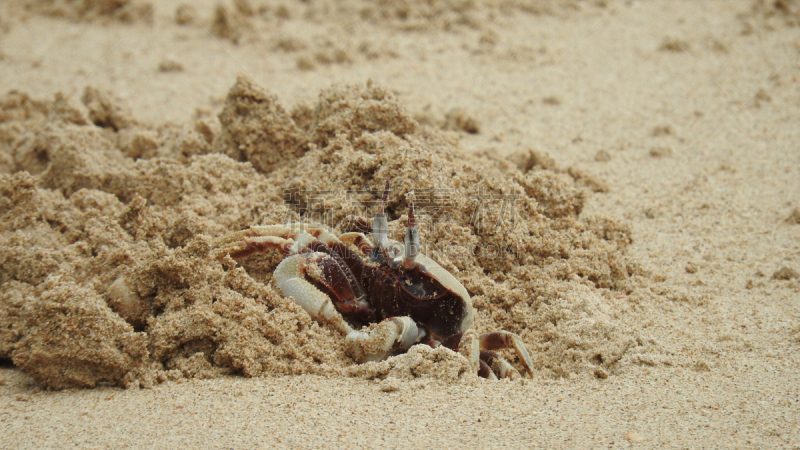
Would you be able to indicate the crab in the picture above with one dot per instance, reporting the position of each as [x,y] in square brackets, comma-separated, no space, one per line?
[384,297]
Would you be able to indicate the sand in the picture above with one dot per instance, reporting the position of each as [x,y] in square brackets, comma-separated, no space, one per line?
[649,262]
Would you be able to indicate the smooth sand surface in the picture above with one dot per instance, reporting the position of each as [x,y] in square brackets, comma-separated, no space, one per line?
[679,119]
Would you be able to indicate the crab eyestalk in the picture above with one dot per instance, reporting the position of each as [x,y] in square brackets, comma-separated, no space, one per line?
[380,226]
[411,241]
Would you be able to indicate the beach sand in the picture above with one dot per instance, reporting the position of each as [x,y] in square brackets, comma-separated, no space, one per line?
[617,182]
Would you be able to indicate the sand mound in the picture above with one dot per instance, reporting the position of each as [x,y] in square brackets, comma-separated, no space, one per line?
[106,228]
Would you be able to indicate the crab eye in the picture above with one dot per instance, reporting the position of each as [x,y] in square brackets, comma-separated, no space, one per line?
[412,240]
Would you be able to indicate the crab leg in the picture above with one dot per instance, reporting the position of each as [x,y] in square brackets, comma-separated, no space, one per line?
[503,339]
[393,334]
[492,363]
[253,240]
[290,239]
[486,363]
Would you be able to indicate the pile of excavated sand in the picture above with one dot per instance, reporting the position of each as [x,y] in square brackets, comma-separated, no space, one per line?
[106,231]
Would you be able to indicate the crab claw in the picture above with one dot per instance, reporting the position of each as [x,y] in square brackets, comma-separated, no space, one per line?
[390,336]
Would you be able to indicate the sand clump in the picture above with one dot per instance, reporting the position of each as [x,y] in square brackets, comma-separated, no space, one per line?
[256,128]
[106,273]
